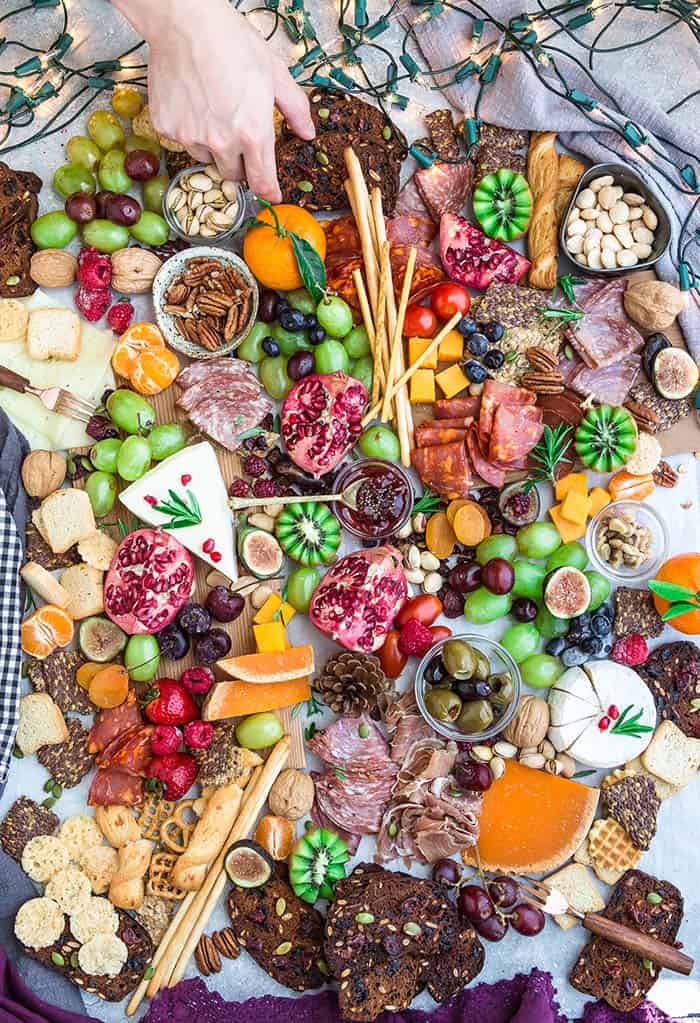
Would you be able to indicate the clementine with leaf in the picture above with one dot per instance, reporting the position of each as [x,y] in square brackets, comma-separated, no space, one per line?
[268,249]
[682,609]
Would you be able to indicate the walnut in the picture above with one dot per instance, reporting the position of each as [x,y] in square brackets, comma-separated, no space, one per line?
[43,472]
[654,305]
[292,795]
[133,270]
[530,724]
[53,268]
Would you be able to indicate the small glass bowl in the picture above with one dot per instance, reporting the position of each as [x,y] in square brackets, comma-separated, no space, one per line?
[349,474]
[174,223]
[646,516]
[500,661]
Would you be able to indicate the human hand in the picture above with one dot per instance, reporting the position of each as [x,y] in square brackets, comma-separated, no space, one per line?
[212,85]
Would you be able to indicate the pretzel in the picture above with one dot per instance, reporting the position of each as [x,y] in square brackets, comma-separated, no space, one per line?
[159,882]
[176,831]
[153,813]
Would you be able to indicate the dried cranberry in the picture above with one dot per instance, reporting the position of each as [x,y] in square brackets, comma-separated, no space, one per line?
[239,488]
[265,488]
[100,428]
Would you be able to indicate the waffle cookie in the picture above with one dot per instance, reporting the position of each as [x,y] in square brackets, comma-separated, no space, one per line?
[611,850]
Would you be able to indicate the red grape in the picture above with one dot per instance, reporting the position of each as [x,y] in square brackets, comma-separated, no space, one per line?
[493,928]
[524,609]
[446,871]
[476,777]
[498,575]
[465,576]
[81,207]
[122,209]
[102,198]
[141,165]
[527,919]
[503,891]
[474,903]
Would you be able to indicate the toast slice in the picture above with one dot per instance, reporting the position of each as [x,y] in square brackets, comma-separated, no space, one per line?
[41,723]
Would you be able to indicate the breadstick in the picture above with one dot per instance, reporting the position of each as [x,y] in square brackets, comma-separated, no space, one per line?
[359,203]
[542,162]
[380,358]
[397,337]
[126,889]
[207,839]
[543,178]
[377,371]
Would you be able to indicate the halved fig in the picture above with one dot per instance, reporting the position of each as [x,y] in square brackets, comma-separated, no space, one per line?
[248,865]
[675,374]
[567,592]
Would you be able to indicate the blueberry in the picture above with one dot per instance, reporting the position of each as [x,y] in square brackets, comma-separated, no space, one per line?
[556,646]
[600,625]
[494,358]
[606,647]
[494,331]
[592,645]
[282,304]
[316,335]
[466,326]
[478,344]
[584,620]
[475,372]
[291,319]
[270,346]
[310,321]
[573,656]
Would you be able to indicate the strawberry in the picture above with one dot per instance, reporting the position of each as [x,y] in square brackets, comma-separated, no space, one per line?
[415,639]
[176,773]
[170,704]
[165,739]
[198,679]
[199,734]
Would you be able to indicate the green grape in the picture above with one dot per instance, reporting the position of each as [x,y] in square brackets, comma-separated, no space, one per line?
[105,236]
[71,178]
[357,343]
[300,299]
[498,545]
[127,101]
[111,172]
[569,555]
[53,230]
[538,540]
[363,370]
[103,454]
[83,151]
[101,488]
[134,458]
[548,626]
[600,589]
[142,657]
[529,579]
[330,356]
[129,411]
[105,130]
[250,348]
[290,341]
[541,670]
[301,584]
[482,606]
[273,373]
[259,731]
[335,316]
[521,640]
[380,442]
[166,440]
[133,142]
[150,228]
[153,191]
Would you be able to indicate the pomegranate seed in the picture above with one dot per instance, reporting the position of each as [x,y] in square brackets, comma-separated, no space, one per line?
[185,479]
[215,556]
[613,712]
[208,546]
[150,499]
[604,724]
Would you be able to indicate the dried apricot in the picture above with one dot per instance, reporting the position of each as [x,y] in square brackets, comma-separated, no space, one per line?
[440,538]
[468,524]
[109,687]
[87,671]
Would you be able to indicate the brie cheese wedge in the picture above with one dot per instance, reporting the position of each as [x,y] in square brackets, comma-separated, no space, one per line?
[186,495]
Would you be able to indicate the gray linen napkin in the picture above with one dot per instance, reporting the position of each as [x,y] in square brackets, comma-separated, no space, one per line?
[517,99]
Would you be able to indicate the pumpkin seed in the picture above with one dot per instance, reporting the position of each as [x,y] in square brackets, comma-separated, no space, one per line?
[364,918]
[323,966]
[150,972]
[48,803]
[386,132]
[57,959]
[282,949]
[305,186]
[12,280]
[322,158]
[393,829]
[412,929]
[654,898]
[280,906]
[363,730]
[324,113]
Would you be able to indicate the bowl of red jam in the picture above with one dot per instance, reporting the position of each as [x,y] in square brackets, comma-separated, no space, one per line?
[382,493]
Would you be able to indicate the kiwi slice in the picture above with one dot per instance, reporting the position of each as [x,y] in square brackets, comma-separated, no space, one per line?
[100,639]
[503,205]
[308,532]
[316,862]
[606,438]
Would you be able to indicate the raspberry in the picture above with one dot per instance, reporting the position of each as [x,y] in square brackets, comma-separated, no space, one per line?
[198,679]
[94,269]
[199,734]
[253,465]
[265,488]
[239,488]
[165,739]
[92,302]
[630,650]
[119,316]
[415,639]
[87,252]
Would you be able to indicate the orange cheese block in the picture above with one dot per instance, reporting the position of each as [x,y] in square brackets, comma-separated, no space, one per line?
[532,821]
[281,666]
[233,699]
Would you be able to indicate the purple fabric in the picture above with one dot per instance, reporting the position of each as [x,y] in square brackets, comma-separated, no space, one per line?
[647,1012]
[18,1004]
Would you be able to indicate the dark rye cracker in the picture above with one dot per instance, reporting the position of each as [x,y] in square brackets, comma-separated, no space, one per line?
[38,550]
[69,761]
[635,613]
[23,821]
[444,138]
[672,673]
[55,675]
[620,977]
[634,804]
[224,761]
[501,147]
[18,209]
[668,411]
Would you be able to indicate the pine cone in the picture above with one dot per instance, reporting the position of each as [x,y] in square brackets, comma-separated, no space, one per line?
[351,683]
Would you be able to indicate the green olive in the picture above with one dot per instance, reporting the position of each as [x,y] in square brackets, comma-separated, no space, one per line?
[502,689]
[459,658]
[476,715]
[442,704]
[483,668]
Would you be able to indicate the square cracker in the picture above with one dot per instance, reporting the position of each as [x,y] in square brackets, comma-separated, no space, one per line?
[576,883]
[671,755]
[664,789]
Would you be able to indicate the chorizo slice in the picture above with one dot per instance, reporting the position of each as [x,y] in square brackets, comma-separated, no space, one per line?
[444,468]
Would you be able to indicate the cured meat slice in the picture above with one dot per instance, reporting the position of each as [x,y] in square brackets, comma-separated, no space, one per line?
[199,371]
[444,468]
[609,385]
[411,229]
[516,429]
[457,408]
[342,240]
[319,818]
[111,723]
[224,419]
[604,336]
[496,393]
[111,787]
[341,743]
[444,187]
[410,729]
[491,474]
[449,424]
[218,384]
[352,803]
[433,432]
[130,752]
[339,280]
[410,200]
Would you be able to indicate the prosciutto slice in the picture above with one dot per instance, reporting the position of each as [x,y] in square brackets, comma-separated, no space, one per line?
[444,187]
[605,335]
[609,385]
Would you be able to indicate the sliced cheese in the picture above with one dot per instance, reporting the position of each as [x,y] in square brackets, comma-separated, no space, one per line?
[193,476]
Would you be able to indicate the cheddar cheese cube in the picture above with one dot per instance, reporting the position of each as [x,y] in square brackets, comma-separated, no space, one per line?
[269,609]
[572,481]
[287,612]
[416,347]
[451,347]
[598,497]
[423,386]
[271,638]
[575,508]
[451,381]
[568,531]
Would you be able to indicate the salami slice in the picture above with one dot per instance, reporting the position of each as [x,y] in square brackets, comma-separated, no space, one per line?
[444,187]
[491,474]
[111,723]
[196,372]
[340,280]
[449,424]
[495,394]
[433,432]
[456,408]
[225,417]
[605,335]
[515,431]
[111,787]
[411,229]
[444,468]
[130,752]
[409,199]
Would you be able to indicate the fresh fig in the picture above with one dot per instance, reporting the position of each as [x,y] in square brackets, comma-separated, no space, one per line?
[654,344]
[674,373]
[260,552]
[100,640]
[567,593]
[248,865]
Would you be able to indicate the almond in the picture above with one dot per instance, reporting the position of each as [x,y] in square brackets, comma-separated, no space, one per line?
[133,270]
[53,268]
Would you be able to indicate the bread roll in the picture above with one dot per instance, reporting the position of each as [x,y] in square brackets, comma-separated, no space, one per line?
[208,837]
[543,178]
[127,888]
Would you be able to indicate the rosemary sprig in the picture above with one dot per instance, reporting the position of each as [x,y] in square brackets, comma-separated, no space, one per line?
[548,453]
[181,513]
[630,725]
[428,503]
[566,283]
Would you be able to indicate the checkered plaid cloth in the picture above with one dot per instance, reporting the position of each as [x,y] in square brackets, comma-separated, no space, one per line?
[10,620]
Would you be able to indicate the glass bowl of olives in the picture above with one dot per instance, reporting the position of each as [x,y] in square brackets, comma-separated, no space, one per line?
[468,687]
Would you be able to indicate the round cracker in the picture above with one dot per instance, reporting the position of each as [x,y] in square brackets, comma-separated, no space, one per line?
[98,916]
[70,888]
[100,865]
[80,833]
[39,923]
[43,856]
[102,956]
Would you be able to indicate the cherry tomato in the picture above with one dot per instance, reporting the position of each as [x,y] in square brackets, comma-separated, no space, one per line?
[448,299]
[424,609]
[440,632]
[390,657]
[420,321]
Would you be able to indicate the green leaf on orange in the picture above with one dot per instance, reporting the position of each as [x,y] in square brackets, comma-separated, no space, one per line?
[311,266]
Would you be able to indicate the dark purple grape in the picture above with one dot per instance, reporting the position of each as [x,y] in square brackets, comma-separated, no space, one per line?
[316,335]
[452,603]
[194,619]
[498,576]
[101,198]
[446,872]
[123,209]
[493,928]
[504,891]
[100,428]
[140,164]
[473,776]
[169,248]
[472,689]
[556,646]
[290,319]
[212,646]
[267,305]
[223,605]
[81,207]
[474,903]
[524,609]
[527,919]
[300,365]
[174,643]
[436,671]
[465,577]
[270,347]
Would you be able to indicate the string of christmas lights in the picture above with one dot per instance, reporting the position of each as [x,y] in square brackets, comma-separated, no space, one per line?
[45,77]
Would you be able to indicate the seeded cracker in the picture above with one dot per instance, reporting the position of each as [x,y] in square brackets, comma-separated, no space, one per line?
[669,412]
[25,820]
[634,804]
[224,761]
[38,550]
[672,672]
[501,147]
[443,135]
[69,761]
[635,613]
[55,675]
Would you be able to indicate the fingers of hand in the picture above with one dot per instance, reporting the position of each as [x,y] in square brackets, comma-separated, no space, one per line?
[261,167]
[294,104]
[200,153]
